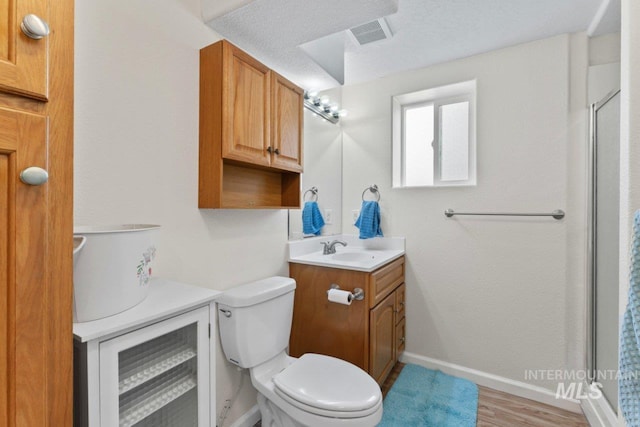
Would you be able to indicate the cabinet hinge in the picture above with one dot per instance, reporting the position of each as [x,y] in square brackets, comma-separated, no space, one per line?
[209,330]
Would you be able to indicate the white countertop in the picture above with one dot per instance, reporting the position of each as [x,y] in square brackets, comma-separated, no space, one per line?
[360,255]
[166,298]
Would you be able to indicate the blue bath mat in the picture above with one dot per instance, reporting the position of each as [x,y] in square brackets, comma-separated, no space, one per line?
[422,397]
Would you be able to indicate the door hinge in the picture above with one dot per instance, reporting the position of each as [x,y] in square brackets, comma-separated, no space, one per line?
[209,330]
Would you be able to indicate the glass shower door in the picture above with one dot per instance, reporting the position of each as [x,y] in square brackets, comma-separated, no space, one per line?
[605,240]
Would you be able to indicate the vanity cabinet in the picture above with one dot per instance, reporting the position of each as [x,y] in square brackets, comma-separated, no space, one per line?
[23,60]
[251,122]
[368,333]
[152,365]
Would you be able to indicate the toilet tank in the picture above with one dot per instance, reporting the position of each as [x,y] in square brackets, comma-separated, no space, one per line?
[255,320]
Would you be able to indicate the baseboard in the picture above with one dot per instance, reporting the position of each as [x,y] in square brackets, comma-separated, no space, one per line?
[249,418]
[599,413]
[517,388]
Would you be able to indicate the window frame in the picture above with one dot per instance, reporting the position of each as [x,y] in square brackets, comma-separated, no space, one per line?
[438,97]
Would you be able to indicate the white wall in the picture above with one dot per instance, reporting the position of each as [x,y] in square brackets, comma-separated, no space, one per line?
[604,66]
[499,295]
[604,49]
[136,151]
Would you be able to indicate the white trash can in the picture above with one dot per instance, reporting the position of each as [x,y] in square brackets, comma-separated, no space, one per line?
[111,268]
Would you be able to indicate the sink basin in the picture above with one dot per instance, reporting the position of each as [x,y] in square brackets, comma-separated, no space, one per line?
[354,256]
[358,255]
[359,259]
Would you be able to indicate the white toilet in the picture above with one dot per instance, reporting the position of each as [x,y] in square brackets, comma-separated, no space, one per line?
[314,390]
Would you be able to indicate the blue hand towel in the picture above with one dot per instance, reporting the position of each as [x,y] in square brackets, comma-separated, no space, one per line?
[369,220]
[629,383]
[312,221]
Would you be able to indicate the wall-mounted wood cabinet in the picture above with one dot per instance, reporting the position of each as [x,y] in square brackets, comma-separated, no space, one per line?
[367,333]
[251,123]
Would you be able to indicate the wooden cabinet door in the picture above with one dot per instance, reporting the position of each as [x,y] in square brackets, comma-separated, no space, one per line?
[287,122]
[23,61]
[400,302]
[400,337]
[324,327]
[36,244]
[246,107]
[382,330]
[23,271]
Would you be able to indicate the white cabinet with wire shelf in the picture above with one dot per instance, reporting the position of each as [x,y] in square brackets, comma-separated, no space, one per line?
[152,365]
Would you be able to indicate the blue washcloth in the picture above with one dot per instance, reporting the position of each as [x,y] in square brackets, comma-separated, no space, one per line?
[629,380]
[369,220]
[312,221]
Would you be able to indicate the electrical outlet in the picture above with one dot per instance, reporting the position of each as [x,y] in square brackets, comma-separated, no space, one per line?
[356,214]
[328,216]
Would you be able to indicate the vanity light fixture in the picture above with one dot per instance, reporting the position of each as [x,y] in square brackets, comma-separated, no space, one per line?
[323,107]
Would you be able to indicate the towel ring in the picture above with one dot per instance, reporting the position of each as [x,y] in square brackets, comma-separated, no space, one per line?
[373,189]
[314,194]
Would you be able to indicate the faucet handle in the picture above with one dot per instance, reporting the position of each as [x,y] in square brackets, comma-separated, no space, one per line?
[325,247]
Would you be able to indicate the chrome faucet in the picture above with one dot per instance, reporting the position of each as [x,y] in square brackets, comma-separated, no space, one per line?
[330,248]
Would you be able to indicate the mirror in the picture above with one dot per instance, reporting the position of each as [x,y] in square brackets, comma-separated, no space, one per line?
[322,169]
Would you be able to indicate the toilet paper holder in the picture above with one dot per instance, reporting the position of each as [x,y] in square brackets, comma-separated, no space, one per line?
[357,294]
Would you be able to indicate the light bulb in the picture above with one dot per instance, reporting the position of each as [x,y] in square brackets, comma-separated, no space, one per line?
[343,113]
[325,100]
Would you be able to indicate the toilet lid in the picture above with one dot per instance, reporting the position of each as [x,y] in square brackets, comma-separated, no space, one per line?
[328,383]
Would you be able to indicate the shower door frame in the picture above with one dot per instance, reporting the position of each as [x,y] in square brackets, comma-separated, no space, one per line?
[591,239]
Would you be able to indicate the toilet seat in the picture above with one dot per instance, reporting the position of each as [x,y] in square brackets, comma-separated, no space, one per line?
[328,386]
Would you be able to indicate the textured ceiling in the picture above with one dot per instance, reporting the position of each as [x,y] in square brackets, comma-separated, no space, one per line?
[426,32]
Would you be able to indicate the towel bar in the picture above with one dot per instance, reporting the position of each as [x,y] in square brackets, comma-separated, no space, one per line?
[314,194]
[557,214]
[374,190]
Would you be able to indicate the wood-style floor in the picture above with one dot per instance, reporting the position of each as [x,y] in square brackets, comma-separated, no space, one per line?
[498,409]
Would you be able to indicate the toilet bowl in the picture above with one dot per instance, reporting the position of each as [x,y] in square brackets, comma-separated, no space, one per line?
[313,390]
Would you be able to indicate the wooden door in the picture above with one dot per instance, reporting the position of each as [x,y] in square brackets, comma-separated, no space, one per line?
[382,329]
[36,221]
[23,61]
[246,105]
[23,240]
[287,123]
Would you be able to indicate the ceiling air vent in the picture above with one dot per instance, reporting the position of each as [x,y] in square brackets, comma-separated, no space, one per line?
[371,32]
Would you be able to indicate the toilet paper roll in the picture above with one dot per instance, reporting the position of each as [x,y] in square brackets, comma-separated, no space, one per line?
[340,297]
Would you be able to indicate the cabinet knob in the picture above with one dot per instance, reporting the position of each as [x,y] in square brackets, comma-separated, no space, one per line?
[34,27]
[34,176]
[402,339]
[277,151]
[269,149]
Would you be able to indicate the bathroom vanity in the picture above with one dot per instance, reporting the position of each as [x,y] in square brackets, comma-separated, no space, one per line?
[151,365]
[369,333]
